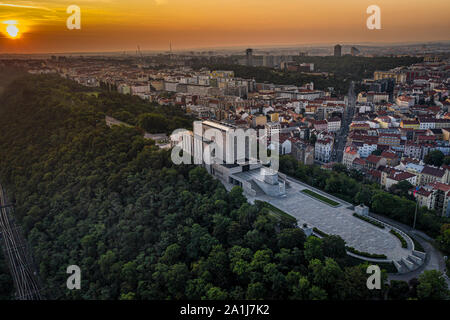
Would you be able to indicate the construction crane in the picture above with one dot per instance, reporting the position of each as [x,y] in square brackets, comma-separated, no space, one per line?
[138,52]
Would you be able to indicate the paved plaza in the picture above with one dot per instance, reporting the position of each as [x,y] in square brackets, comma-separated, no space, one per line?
[340,221]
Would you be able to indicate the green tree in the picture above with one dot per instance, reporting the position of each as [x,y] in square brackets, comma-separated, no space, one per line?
[446,160]
[432,286]
[301,289]
[153,123]
[313,248]
[291,238]
[256,291]
[334,247]
[377,152]
[364,196]
[402,188]
[398,290]
[339,167]
[435,158]
[177,277]
[317,293]
[444,238]
[171,254]
[215,293]
[236,197]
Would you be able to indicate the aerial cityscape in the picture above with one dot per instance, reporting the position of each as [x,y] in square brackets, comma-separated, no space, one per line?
[224,154]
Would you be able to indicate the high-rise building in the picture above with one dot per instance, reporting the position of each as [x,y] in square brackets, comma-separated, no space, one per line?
[354,51]
[337,50]
[249,56]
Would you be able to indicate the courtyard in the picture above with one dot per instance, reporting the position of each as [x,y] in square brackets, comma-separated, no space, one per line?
[338,220]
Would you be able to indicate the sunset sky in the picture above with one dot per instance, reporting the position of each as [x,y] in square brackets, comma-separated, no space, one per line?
[119,25]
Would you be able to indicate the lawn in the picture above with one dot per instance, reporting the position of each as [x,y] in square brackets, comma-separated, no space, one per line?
[321,198]
[283,215]
[417,245]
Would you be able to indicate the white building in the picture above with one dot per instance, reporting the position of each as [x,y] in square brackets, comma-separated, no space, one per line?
[323,149]
[397,177]
[365,149]
[334,124]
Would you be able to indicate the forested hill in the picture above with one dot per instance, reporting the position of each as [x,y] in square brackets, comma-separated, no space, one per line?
[138,226]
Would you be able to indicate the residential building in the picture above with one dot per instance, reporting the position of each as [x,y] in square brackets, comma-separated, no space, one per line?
[350,154]
[432,174]
[374,162]
[398,176]
[323,149]
[391,158]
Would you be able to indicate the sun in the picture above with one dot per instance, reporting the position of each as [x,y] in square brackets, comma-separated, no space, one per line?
[12,31]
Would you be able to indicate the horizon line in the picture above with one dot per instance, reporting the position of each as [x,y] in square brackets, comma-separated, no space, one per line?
[236,47]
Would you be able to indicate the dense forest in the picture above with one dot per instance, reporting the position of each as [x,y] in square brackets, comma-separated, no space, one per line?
[342,70]
[140,227]
[357,68]
[270,75]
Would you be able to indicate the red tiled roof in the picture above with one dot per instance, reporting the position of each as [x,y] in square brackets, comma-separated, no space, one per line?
[423,192]
[373,159]
[440,186]
[388,155]
[410,122]
[359,161]
[351,150]
[437,172]
[401,176]
[375,173]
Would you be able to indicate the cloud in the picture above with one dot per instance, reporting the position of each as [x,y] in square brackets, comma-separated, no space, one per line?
[22,6]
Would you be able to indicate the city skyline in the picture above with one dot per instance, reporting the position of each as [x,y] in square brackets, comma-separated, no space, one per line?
[111,25]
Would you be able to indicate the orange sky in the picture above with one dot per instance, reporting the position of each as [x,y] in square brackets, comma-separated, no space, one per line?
[118,25]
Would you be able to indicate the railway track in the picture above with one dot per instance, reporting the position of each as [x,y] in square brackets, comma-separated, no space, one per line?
[17,254]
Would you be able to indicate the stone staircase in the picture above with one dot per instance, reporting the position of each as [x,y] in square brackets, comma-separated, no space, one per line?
[410,263]
[256,188]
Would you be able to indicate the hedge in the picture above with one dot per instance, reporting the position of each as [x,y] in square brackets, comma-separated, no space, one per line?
[320,197]
[399,236]
[319,232]
[366,254]
[375,223]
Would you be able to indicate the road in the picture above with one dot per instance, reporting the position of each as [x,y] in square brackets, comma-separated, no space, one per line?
[434,260]
[347,117]
[16,252]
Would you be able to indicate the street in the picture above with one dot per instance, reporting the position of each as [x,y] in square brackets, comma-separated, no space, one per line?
[341,135]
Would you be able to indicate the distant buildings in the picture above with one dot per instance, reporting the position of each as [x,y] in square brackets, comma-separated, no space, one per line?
[354,51]
[249,57]
[399,77]
[337,50]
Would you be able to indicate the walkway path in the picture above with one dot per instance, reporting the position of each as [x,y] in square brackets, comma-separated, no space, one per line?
[434,260]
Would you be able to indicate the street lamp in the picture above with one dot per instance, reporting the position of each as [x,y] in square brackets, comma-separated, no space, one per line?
[415,215]
[417,205]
